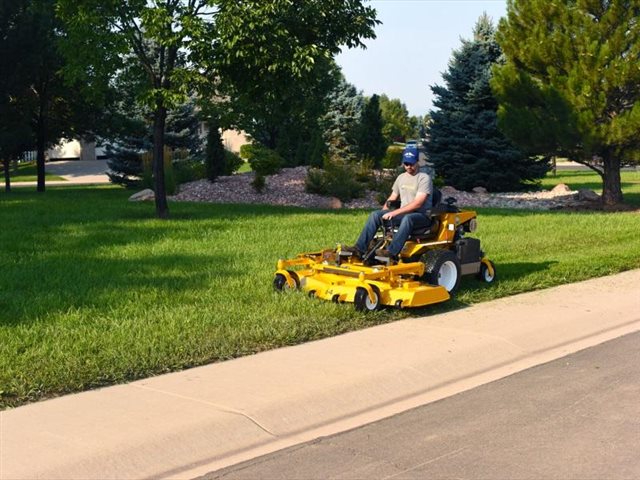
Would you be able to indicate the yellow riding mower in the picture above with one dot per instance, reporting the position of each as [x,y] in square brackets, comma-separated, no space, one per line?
[427,271]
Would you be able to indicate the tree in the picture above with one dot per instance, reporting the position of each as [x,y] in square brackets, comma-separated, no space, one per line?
[186,44]
[134,138]
[214,155]
[465,146]
[42,108]
[340,124]
[371,141]
[285,117]
[395,115]
[571,84]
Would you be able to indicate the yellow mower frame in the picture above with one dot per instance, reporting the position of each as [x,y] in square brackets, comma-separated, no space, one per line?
[428,270]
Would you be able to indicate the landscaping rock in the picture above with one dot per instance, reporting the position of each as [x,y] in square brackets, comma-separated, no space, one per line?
[287,188]
[561,188]
[584,194]
[143,196]
[335,203]
[479,190]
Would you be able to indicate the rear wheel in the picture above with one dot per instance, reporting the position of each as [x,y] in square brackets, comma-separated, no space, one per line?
[485,275]
[442,267]
[362,302]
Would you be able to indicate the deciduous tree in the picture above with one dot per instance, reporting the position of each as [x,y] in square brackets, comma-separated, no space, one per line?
[187,44]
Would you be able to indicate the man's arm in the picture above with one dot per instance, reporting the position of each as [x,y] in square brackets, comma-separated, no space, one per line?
[414,205]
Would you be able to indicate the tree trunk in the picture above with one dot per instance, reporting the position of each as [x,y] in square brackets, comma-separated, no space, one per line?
[7,176]
[40,151]
[159,120]
[611,185]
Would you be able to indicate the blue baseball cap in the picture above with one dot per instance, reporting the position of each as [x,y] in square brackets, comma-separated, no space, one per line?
[410,155]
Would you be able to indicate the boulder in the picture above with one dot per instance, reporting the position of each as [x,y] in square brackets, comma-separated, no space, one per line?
[561,188]
[584,194]
[335,203]
[143,196]
[479,190]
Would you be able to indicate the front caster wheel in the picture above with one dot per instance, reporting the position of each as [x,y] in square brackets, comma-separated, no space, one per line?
[362,302]
[280,282]
[485,275]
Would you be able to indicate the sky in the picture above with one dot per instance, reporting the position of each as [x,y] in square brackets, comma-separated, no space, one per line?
[413,47]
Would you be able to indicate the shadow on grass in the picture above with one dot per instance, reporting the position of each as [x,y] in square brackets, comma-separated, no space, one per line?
[470,284]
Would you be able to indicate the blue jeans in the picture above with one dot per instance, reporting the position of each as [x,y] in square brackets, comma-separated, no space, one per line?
[407,222]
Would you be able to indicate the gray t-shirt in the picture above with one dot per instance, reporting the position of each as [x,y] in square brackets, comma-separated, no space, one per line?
[407,186]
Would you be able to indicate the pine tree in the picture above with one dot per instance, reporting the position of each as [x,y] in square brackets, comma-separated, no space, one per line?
[371,141]
[215,159]
[136,137]
[465,146]
[571,83]
[341,122]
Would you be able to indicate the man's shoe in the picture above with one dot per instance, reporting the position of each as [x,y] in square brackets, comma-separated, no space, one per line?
[383,252]
[350,250]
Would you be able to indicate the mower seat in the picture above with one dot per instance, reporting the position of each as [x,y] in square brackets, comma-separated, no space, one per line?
[423,233]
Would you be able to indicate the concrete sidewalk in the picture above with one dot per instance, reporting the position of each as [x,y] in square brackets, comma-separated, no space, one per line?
[186,424]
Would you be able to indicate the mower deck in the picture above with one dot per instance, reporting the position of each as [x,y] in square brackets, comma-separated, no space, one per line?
[365,286]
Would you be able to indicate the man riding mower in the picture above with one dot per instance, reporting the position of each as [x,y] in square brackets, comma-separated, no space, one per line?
[408,255]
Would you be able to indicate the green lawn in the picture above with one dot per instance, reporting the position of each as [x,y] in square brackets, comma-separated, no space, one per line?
[95,291]
[577,179]
[26,172]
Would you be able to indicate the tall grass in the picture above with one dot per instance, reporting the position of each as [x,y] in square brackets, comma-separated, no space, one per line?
[95,291]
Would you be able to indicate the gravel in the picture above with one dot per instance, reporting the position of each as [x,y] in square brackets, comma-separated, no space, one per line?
[287,188]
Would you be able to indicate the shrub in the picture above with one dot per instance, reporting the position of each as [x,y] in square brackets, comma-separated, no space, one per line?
[258,183]
[393,157]
[337,180]
[263,160]
[232,162]
[189,170]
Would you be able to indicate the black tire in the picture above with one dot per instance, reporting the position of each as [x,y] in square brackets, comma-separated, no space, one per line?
[280,282]
[442,267]
[484,275]
[362,302]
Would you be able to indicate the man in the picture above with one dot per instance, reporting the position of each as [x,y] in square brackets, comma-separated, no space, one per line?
[414,189]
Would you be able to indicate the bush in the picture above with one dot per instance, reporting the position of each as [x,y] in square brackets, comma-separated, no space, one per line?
[169,177]
[189,170]
[232,162]
[336,180]
[258,183]
[263,160]
[393,157]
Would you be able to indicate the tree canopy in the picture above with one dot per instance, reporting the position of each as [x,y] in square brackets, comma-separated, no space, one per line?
[397,124]
[571,83]
[202,45]
[465,145]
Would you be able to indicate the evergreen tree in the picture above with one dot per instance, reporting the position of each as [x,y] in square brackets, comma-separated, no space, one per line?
[135,137]
[214,156]
[183,130]
[341,122]
[571,83]
[465,146]
[371,141]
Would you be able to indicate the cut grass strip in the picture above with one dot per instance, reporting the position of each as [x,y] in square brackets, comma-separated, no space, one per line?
[94,291]
[27,172]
